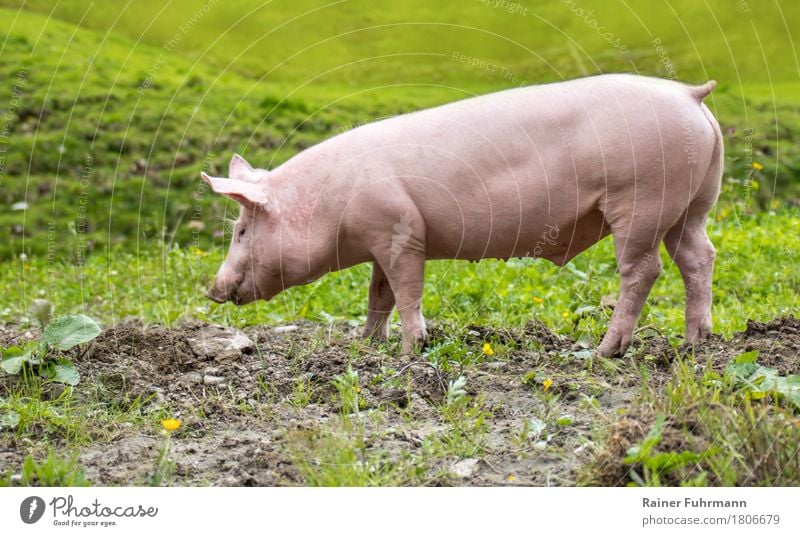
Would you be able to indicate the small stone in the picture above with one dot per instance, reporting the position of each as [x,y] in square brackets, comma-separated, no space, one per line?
[240,342]
[227,345]
[213,380]
[285,329]
[464,468]
[193,378]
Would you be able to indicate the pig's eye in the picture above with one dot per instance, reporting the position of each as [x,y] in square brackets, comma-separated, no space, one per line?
[241,232]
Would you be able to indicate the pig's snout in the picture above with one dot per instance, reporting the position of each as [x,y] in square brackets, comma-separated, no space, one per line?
[212,295]
[225,288]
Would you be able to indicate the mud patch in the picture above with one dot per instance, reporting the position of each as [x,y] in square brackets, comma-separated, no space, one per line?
[777,343]
[252,401]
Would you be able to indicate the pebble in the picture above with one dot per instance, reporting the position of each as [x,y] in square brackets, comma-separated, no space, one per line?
[464,468]
[213,380]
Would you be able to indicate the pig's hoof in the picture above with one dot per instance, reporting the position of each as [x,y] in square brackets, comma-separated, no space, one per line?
[414,344]
[373,337]
[615,348]
[700,334]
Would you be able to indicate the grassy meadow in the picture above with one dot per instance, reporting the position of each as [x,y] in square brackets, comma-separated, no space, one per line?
[111,110]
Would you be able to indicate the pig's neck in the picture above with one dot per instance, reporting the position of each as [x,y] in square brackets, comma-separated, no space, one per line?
[298,187]
[308,214]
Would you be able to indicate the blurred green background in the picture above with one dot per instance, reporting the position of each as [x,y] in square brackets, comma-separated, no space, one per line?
[113,108]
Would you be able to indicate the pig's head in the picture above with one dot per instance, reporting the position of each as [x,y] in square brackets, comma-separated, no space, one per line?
[252,268]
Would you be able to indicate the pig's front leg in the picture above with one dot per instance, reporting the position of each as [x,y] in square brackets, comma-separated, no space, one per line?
[405,271]
[381,303]
[639,268]
[407,280]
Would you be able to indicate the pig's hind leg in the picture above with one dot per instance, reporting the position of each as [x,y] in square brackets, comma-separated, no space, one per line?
[690,248]
[639,266]
[381,304]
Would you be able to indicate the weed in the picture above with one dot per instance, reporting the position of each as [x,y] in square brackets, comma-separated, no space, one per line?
[165,466]
[349,389]
[41,358]
[52,471]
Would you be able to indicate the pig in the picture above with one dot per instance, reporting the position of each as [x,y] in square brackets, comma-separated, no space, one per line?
[543,171]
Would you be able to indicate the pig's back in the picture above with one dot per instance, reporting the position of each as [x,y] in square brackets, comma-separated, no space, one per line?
[492,174]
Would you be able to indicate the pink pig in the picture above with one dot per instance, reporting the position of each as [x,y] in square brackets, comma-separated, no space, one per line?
[541,171]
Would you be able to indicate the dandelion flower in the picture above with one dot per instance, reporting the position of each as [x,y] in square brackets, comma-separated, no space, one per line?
[170,425]
[565,314]
[487,349]
[537,299]
[511,478]
[547,384]
[757,166]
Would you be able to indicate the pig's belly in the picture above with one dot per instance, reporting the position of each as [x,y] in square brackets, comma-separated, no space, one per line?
[557,238]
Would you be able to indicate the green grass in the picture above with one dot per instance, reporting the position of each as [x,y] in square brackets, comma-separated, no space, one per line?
[107,133]
[706,429]
[756,276]
[365,43]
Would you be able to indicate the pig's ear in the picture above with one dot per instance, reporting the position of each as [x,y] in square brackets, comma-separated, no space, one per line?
[246,193]
[240,169]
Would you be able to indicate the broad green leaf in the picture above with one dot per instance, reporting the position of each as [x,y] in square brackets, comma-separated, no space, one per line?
[13,351]
[763,381]
[9,419]
[68,331]
[65,372]
[14,357]
[743,366]
[769,381]
[12,365]
[747,357]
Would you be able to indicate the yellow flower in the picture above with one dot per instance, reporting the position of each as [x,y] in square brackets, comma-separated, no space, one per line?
[511,478]
[197,251]
[547,384]
[487,349]
[537,299]
[170,425]
[775,204]
[757,166]
[565,314]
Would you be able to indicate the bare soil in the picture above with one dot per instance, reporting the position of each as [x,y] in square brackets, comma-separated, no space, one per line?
[243,423]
